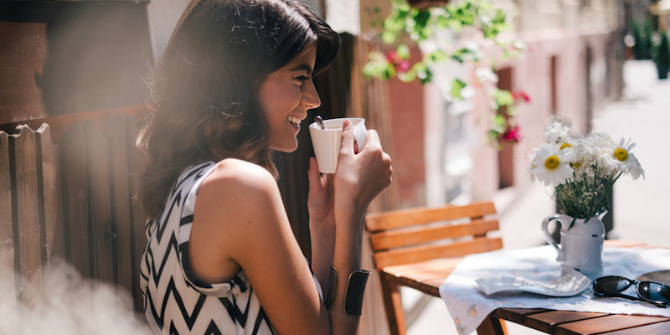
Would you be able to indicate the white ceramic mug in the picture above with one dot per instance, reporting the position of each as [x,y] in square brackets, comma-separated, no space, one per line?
[326,141]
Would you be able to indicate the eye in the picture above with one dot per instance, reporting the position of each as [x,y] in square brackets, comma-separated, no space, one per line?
[301,79]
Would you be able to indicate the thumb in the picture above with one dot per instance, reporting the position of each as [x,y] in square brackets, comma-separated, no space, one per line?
[347,142]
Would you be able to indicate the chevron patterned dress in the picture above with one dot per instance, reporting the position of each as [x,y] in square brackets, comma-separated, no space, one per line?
[174,301]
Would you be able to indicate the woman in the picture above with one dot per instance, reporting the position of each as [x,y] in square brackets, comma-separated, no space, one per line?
[233,86]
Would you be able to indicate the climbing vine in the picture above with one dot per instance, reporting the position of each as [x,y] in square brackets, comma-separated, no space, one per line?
[424,25]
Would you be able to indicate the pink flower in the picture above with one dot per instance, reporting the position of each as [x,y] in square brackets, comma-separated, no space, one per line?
[399,64]
[513,134]
[403,66]
[521,95]
[393,57]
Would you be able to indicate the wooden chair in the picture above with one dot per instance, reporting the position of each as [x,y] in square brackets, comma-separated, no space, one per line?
[419,248]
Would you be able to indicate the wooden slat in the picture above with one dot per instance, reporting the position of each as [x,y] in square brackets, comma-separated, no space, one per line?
[661,328]
[410,217]
[393,306]
[425,253]
[75,198]
[60,124]
[29,232]
[445,264]
[418,235]
[117,133]
[606,323]
[623,243]
[491,326]
[547,321]
[430,288]
[102,231]
[6,231]
[138,219]
[517,315]
[50,191]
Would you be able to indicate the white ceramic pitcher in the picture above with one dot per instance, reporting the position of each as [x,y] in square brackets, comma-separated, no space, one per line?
[581,245]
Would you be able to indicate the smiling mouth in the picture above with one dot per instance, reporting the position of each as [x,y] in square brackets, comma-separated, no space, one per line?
[294,120]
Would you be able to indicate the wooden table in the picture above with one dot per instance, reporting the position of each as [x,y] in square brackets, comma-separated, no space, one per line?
[429,278]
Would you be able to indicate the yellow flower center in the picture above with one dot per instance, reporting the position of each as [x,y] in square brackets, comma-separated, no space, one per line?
[552,162]
[621,154]
[576,165]
[566,145]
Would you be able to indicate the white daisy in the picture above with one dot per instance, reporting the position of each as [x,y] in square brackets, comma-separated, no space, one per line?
[551,164]
[626,159]
[556,131]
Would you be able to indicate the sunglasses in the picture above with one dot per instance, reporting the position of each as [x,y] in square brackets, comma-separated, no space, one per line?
[648,291]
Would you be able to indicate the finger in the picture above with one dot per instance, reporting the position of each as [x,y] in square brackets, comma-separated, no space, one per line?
[372,139]
[313,175]
[347,143]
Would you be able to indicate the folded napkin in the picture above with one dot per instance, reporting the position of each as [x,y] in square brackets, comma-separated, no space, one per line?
[468,305]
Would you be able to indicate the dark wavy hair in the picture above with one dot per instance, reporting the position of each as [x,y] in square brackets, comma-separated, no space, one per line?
[207,81]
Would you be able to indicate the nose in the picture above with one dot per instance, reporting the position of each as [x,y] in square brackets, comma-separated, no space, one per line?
[310,97]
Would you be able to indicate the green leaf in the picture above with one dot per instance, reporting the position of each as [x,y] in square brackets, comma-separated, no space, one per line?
[403,51]
[389,37]
[499,121]
[389,71]
[493,135]
[436,56]
[408,76]
[379,69]
[456,86]
[500,17]
[425,76]
[503,98]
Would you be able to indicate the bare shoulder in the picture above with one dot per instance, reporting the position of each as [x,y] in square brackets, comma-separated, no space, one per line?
[238,176]
[237,192]
[237,203]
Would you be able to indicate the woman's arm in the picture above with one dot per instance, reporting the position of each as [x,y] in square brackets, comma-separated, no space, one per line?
[359,178]
[320,205]
[239,217]
[240,221]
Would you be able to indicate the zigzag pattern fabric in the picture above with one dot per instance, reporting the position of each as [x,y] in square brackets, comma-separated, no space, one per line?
[174,301]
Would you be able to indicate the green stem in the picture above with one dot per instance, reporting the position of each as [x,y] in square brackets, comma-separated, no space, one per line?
[595,190]
[560,198]
[607,191]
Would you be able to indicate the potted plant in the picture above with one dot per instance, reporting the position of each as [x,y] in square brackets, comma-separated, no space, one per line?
[661,56]
[582,171]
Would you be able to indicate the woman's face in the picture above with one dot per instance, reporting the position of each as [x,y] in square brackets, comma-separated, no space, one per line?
[286,96]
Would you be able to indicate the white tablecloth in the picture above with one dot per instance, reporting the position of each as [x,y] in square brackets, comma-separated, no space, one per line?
[469,306]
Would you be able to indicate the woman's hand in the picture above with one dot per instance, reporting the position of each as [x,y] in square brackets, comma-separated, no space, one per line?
[361,176]
[320,200]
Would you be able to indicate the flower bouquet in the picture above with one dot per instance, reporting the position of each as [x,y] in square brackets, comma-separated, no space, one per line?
[582,170]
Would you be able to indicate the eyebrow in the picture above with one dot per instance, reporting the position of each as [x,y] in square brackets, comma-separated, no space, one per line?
[302,67]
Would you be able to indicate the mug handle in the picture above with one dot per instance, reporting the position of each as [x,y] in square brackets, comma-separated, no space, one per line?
[547,235]
[360,134]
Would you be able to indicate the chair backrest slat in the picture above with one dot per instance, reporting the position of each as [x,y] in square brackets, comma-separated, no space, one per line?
[430,252]
[423,234]
[404,218]
[417,235]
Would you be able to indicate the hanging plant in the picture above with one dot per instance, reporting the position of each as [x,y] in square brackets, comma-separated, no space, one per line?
[421,25]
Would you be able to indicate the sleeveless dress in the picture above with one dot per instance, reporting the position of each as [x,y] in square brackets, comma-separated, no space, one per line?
[175,302]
